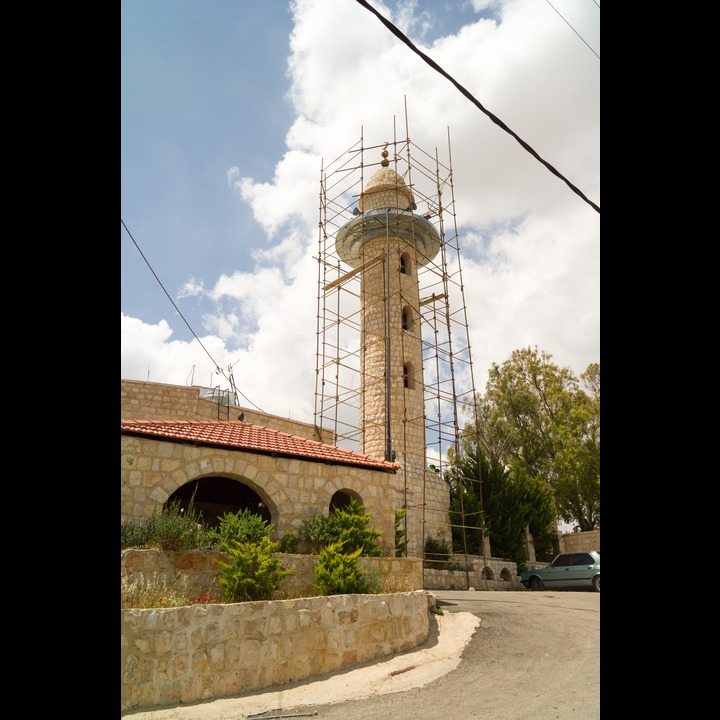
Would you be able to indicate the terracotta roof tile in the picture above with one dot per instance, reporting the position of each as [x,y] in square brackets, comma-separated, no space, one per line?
[252,438]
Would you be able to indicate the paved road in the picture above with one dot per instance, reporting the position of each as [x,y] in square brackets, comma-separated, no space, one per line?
[497,655]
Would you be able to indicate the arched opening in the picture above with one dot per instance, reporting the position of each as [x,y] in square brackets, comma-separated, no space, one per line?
[408,376]
[341,499]
[505,575]
[407,318]
[488,574]
[405,264]
[212,497]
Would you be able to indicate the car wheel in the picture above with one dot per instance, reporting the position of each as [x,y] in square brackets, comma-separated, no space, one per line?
[596,584]
[536,584]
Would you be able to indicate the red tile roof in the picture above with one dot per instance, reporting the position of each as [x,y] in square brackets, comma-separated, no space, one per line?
[252,438]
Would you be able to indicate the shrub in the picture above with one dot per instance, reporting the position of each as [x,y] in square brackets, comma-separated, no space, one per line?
[243,526]
[316,530]
[339,573]
[288,543]
[438,552]
[171,528]
[349,529]
[133,535]
[253,573]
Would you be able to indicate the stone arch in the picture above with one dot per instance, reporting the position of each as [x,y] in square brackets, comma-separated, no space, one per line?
[408,318]
[341,499]
[505,574]
[214,495]
[487,574]
[231,468]
[405,264]
[408,376]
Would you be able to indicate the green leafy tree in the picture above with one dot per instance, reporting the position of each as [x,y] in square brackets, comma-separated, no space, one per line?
[339,572]
[540,417]
[253,572]
[352,530]
[507,502]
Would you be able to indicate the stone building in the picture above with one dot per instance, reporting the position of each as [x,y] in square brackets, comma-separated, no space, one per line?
[183,443]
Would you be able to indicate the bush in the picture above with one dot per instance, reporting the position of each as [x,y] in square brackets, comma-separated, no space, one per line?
[172,529]
[253,573]
[133,535]
[242,526]
[437,553]
[316,530]
[339,573]
[349,529]
[288,543]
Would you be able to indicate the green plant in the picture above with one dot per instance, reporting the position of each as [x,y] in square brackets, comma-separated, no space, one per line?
[171,528]
[339,573]
[243,526]
[253,573]
[438,552]
[288,543]
[133,534]
[175,529]
[401,542]
[317,531]
[350,528]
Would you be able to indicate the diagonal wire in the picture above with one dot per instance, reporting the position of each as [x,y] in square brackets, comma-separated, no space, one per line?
[469,96]
[572,28]
[217,367]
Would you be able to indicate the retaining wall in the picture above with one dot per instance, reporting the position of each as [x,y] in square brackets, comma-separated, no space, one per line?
[488,574]
[200,652]
[196,572]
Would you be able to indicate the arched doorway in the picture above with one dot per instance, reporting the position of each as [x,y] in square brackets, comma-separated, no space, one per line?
[341,499]
[212,497]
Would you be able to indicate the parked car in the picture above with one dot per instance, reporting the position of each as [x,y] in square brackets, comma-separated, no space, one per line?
[568,571]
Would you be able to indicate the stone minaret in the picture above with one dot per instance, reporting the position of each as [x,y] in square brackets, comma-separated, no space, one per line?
[387,242]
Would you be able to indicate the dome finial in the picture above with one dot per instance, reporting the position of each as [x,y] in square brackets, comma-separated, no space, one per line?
[385,162]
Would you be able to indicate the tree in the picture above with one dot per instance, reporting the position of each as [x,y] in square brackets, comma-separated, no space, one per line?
[505,501]
[351,529]
[541,418]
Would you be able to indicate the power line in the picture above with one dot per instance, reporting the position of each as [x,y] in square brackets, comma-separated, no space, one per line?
[469,96]
[177,309]
[572,28]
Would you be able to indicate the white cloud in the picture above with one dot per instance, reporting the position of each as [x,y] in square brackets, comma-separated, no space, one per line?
[530,245]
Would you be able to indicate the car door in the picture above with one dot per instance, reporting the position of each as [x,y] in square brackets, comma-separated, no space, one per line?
[558,574]
[581,571]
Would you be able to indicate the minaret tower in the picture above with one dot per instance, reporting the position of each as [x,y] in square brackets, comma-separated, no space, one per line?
[387,244]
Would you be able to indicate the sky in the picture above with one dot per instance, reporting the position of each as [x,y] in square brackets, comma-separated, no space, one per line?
[231,108]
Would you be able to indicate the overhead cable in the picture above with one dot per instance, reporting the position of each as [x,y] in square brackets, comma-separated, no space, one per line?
[472,99]
[218,369]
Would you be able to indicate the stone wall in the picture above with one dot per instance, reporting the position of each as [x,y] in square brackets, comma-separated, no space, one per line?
[157,401]
[490,574]
[574,542]
[200,652]
[196,572]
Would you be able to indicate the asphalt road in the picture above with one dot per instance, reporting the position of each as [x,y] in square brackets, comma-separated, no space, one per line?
[497,655]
